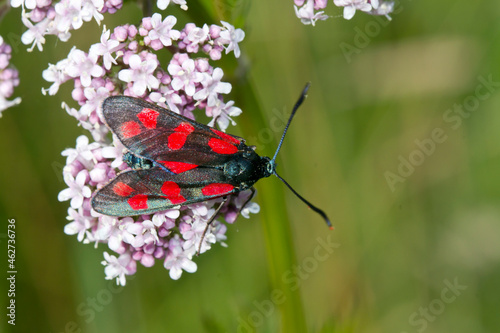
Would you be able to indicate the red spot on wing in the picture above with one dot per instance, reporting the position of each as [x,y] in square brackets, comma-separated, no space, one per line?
[130,129]
[178,167]
[122,189]
[148,117]
[184,128]
[177,139]
[138,201]
[222,147]
[172,192]
[217,189]
[226,137]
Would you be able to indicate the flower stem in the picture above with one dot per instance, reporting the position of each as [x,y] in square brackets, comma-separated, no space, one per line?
[147,7]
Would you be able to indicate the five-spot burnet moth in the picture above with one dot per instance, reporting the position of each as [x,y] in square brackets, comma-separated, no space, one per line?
[178,161]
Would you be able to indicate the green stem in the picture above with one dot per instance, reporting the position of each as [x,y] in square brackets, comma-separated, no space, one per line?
[276,226]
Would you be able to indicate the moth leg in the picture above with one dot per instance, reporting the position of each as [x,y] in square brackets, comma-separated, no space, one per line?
[216,125]
[224,199]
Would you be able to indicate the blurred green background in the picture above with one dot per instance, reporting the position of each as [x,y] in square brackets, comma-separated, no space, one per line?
[410,182]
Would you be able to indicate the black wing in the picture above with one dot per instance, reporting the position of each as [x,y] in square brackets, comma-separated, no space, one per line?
[138,192]
[163,136]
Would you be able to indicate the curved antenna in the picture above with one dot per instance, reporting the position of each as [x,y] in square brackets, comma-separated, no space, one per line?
[310,205]
[299,102]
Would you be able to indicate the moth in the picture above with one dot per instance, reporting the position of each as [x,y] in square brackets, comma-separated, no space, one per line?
[178,161]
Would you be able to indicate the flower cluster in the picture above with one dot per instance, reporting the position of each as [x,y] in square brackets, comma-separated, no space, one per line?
[9,78]
[309,12]
[123,62]
[47,17]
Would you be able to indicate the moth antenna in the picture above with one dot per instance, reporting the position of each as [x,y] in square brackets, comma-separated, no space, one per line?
[302,97]
[310,205]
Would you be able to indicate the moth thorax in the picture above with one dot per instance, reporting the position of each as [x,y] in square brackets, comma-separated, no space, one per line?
[136,162]
[237,167]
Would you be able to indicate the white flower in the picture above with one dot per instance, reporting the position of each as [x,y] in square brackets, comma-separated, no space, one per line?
[115,152]
[141,74]
[185,76]
[94,99]
[105,48]
[77,190]
[92,9]
[69,15]
[385,8]
[198,35]
[166,218]
[167,96]
[5,104]
[163,30]
[222,113]
[83,66]
[35,33]
[147,235]
[118,267]
[307,15]
[108,231]
[212,87]
[194,234]
[55,73]
[219,231]
[16,3]
[232,37]
[177,259]
[80,223]
[250,207]
[129,231]
[200,209]
[82,152]
[350,6]
[163,4]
